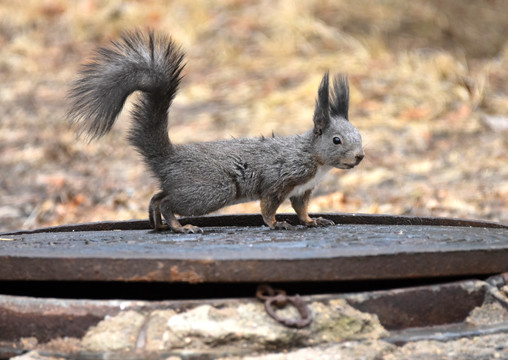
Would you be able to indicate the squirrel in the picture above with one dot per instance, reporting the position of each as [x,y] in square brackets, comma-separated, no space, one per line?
[199,178]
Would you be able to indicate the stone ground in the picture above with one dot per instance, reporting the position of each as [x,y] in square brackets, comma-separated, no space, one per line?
[242,330]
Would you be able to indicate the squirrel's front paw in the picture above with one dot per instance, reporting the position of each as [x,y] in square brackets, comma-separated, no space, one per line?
[319,222]
[282,225]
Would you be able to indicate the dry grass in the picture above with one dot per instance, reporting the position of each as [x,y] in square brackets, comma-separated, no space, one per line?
[423,77]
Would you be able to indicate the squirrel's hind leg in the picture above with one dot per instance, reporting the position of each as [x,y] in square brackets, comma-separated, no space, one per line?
[160,207]
[164,208]
[154,212]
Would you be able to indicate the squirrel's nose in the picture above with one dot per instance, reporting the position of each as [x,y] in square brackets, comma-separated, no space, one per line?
[359,157]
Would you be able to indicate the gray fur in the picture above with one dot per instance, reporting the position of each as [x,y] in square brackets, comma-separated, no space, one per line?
[199,178]
[340,97]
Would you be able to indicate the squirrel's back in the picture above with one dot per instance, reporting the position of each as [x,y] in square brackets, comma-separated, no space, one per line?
[149,63]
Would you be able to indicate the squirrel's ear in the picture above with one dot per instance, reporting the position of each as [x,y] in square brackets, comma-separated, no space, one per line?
[340,97]
[322,110]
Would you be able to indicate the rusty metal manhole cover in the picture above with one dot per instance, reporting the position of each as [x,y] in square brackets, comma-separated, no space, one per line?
[239,249]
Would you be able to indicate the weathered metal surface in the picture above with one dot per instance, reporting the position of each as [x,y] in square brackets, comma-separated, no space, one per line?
[47,319]
[423,306]
[235,249]
[257,220]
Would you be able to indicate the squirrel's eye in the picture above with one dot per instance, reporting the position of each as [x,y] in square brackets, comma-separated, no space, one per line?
[337,141]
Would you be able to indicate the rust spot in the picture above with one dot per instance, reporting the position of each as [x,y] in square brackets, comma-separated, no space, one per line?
[189,276]
[154,275]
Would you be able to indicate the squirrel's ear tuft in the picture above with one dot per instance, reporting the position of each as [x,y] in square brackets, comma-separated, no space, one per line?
[340,97]
[322,110]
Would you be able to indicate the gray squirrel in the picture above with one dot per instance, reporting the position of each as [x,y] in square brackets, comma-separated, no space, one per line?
[199,178]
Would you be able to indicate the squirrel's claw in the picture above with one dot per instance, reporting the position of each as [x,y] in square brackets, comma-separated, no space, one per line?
[283,225]
[315,222]
[188,229]
[323,222]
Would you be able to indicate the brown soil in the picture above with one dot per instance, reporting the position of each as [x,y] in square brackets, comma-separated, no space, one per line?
[429,87]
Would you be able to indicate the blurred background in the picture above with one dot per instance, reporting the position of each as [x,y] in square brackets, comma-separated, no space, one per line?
[429,93]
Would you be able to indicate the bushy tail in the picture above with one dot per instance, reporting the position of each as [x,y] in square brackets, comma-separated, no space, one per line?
[150,63]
